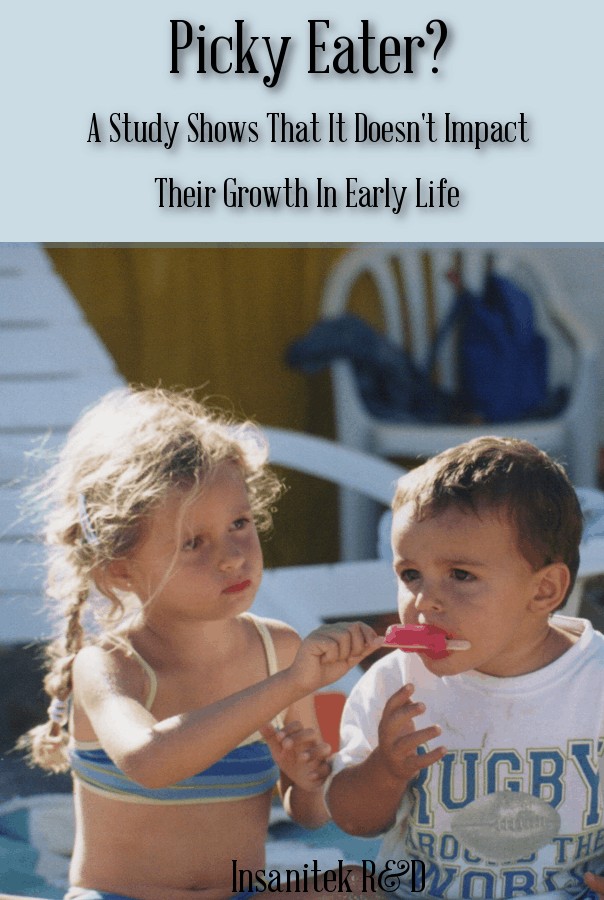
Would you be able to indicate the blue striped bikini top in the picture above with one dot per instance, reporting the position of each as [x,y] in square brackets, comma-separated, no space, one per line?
[247,771]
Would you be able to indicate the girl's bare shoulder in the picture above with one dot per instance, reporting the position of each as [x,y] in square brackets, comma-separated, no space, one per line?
[286,639]
[108,668]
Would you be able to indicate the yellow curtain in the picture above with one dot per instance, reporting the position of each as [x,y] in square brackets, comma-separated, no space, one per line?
[220,319]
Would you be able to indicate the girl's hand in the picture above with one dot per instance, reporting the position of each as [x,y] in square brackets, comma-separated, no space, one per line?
[595,883]
[331,651]
[300,753]
[398,741]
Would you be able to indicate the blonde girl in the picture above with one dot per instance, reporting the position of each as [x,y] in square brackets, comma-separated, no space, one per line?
[176,709]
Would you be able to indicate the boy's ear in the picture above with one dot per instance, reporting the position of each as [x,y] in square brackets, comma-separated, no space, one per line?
[552,585]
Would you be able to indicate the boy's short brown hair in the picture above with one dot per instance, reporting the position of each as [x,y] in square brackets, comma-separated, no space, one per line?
[507,475]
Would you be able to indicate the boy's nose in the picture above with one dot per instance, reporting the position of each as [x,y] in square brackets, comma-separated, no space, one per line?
[427,599]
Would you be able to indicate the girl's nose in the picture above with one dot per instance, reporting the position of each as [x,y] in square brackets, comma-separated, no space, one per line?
[231,555]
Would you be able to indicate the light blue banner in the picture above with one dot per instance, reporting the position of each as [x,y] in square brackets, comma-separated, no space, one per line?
[183,121]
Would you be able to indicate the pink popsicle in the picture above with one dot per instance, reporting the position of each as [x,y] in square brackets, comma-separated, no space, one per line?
[428,639]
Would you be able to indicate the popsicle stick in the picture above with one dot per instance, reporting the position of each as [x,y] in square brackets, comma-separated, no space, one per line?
[449,645]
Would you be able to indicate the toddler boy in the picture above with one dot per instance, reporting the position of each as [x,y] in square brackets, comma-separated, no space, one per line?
[484,765]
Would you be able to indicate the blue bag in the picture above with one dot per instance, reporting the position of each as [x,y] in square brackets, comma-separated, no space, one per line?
[502,359]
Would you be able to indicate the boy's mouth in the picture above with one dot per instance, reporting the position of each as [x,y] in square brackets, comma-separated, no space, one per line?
[429,640]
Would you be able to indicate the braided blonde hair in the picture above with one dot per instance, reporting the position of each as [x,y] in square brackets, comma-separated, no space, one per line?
[118,463]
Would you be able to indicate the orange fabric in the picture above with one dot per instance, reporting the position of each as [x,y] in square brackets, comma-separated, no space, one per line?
[329,706]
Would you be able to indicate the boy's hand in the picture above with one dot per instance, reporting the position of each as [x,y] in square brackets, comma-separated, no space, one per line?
[595,883]
[399,741]
[331,651]
[365,798]
[299,752]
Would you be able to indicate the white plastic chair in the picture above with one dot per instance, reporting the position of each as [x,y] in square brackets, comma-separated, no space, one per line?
[412,287]
[368,475]
[304,596]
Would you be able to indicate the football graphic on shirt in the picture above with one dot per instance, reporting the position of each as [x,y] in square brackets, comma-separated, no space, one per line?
[506,826]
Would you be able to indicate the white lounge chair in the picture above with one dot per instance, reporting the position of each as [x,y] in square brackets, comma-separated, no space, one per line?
[52,365]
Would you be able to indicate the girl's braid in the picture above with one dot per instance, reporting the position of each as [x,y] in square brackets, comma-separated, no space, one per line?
[47,744]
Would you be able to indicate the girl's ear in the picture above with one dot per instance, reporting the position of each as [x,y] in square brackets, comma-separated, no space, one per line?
[552,585]
[114,574]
